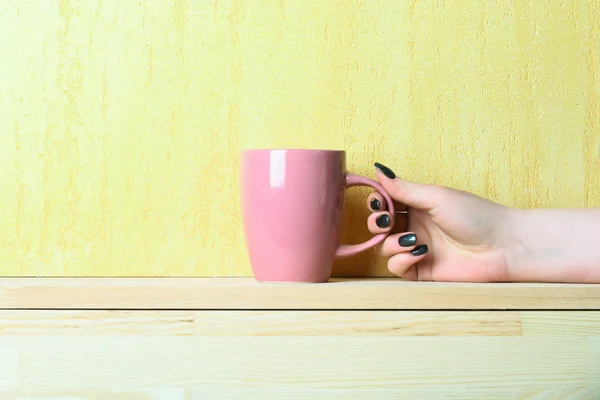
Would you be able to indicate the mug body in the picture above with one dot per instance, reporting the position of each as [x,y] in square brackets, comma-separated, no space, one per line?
[292,203]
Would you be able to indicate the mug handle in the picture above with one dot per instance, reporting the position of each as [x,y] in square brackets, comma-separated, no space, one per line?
[345,250]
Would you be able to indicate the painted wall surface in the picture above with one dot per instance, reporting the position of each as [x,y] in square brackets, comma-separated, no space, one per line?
[121,121]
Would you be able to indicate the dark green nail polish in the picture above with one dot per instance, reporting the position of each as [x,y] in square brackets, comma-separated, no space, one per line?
[383,221]
[420,250]
[408,240]
[375,204]
[385,170]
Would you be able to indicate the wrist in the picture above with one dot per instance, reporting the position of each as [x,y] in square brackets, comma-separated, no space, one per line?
[517,246]
[545,245]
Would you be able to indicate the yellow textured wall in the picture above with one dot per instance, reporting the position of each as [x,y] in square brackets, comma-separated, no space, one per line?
[121,121]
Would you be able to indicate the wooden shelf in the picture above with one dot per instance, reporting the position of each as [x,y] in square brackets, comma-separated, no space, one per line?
[245,294]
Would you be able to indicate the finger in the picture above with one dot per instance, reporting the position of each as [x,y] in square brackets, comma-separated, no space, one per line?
[398,243]
[400,264]
[412,273]
[380,222]
[417,195]
[426,271]
[376,202]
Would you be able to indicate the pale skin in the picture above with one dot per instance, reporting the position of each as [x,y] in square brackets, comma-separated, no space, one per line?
[466,238]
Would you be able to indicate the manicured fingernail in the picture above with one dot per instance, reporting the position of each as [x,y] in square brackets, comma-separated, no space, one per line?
[420,250]
[375,204]
[385,170]
[383,221]
[408,240]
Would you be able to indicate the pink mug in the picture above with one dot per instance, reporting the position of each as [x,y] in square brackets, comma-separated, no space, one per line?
[292,203]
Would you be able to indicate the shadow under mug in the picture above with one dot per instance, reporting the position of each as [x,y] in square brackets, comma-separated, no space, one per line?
[292,203]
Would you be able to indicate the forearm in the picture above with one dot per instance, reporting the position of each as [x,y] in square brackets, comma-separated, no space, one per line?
[555,245]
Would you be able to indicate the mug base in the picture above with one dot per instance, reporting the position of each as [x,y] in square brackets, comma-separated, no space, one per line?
[289,282]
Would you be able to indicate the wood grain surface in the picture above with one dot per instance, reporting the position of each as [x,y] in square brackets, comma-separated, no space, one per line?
[160,355]
[246,293]
[121,121]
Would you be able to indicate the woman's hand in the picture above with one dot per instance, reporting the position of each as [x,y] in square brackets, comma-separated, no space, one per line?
[451,235]
[445,235]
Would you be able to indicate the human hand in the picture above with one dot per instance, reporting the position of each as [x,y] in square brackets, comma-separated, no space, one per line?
[445,234]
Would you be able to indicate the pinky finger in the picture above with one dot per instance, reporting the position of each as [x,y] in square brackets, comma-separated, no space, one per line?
[404,264]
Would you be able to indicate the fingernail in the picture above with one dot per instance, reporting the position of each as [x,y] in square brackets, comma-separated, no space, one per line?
[383,221]
[407,240]
[420,250]
[385,170]
[375,205]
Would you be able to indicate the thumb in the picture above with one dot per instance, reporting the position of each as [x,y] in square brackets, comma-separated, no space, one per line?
[416,195]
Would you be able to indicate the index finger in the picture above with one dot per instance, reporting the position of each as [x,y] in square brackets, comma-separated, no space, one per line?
[376,202]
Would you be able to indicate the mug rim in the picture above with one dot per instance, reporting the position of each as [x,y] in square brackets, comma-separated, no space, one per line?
[292,149]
